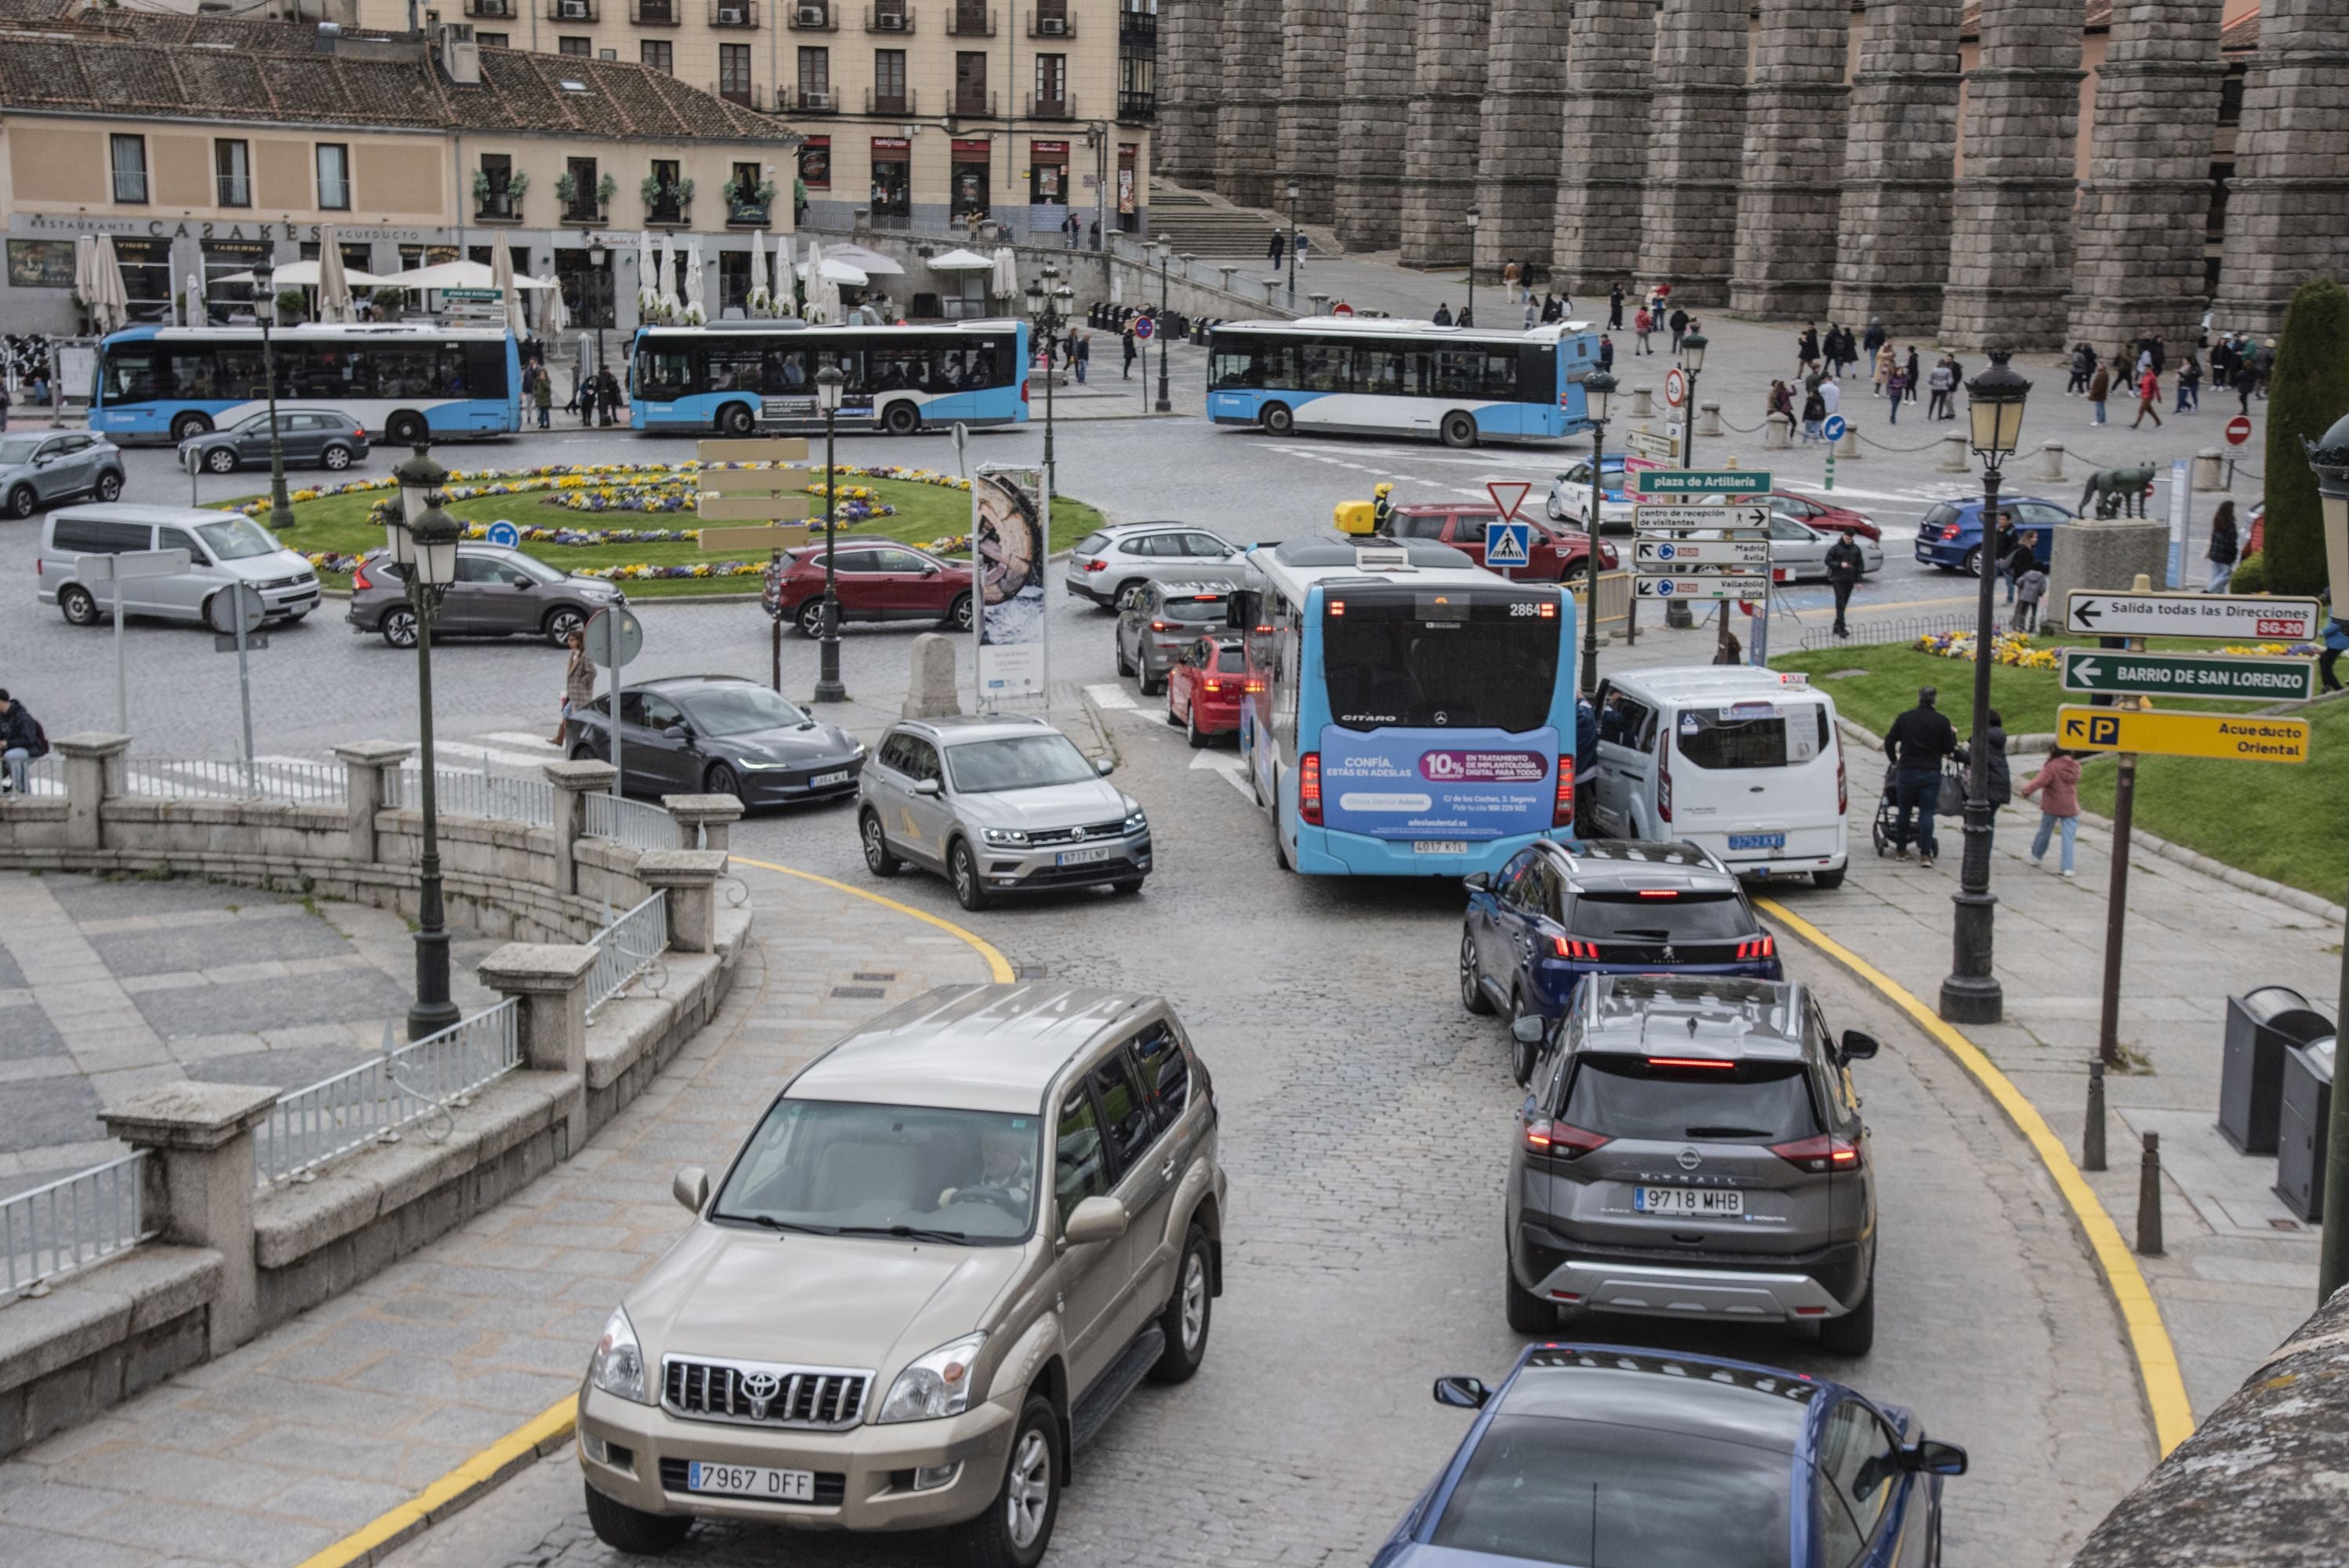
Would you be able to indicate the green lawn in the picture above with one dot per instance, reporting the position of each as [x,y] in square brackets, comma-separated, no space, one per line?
[924,513]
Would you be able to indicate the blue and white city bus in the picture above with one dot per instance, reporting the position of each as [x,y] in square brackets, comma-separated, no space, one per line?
[737,376]
[1377,376]
[405,381]
[1406,712]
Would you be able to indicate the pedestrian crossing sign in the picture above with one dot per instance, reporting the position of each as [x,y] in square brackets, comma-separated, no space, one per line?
[1508,544]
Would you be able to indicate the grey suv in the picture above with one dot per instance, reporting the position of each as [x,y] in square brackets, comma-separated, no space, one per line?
[952,1246]
[1692,1147]
[1108,567]
[38,471]
[1000,806]
[499,592]
[321,436]
[1160,622]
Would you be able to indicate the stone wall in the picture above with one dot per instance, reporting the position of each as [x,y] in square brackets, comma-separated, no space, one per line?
[1521,129]
[1247,113]
[1190,90]
[1368,154]
[1796,112]
[1696,119]
[1892,227]
[1441,153]
[1312,83]
[1603,143]
[2288,207]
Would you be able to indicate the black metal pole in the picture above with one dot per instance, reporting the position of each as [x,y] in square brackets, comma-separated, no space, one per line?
[1590,564]
[280,510]
[1165,405]
[2333,1253]
[433,1011]
[1292,245]
[2108,1007]
[1051,324]
[827,681]
[1972,994]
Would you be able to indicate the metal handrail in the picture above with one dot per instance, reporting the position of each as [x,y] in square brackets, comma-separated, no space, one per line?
[211,778]
[457,793]
[629,822]
[43,776]
[72,1222]
[626,947]
[371,1102]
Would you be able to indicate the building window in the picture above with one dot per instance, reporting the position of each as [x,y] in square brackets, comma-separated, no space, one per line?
[1051,86]
[334,176]
[970,82]
[1052,19]
[657,53]
[667,202]
[967,178]
[1129,217]
[492,40]
[1048,173]
[495,186]
[657,13]
[584,204]
[734,72]
[233,172]
[815,164]
[815,77]
[129,168]
[583,47]
[893,184]
[889,81]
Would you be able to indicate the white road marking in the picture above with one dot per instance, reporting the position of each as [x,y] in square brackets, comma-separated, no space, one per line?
[533,760]
[528,742]
[1109,694]
[1228,764]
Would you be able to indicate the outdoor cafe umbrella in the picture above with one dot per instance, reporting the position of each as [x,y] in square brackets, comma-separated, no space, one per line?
[192,304]
[1006,273]
[665,272]
[868,261]
[110,302]
[694,309]
[648,278]
[85,253]
[502,278]
[306,275]
[335,302]
[961,261]
[554,315]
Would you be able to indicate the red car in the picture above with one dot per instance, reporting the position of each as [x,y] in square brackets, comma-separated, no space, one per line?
[878,580]
[1203,689]
[1834,519]
[1552,552]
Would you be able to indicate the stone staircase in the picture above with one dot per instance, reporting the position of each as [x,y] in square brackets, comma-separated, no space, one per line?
[1208,227]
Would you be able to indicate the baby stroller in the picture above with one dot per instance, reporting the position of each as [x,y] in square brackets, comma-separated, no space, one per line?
[1949,802]
[1888,813]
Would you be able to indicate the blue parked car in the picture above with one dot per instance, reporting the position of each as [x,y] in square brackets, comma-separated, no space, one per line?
[1555,913]
[1951,535]
[1593,1454]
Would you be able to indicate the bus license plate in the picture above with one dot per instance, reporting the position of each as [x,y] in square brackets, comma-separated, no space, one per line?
[1757,841]
[1716,1202]
[750,1480]
[1439,846]
[1085,857]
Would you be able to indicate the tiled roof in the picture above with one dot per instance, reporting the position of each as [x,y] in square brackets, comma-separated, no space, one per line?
[176,67]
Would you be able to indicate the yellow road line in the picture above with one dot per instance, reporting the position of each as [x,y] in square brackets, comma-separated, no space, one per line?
[2157,1358]
[476,1475]
[997,965]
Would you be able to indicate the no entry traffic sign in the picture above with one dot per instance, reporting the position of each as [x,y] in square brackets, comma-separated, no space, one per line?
[2239,429]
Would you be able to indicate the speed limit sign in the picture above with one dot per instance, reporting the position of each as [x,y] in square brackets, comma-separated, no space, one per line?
[1675,387]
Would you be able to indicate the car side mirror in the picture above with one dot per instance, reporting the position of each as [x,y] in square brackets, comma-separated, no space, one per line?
[1530,1030]
[1462,1393]
[690,1187]
[525,584]
[1477,882]
[1933,1457]
[929,572]
[1094,1220]
[928,787]
[677,732]
[1859,1046]
[1104,767]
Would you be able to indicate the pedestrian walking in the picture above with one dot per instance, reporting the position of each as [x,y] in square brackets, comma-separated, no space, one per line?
[1942,382]
[2247,381]
[1533,312]
[541,397]
[1132,353]
[2000,782]
[2084,363]
[1304,243]
[2263,361]
[1092,234]
[1606,352]
[1815,409]
[2225,547]
[2057,786]
[1678,320]
[1509,280]
[578,684]
[1897,386]
[1807,349]
[1830,396]
[1442,316]
[2023,558]
[23,742]
[608,401]
[1886,363]
[2100,387]
[1917,742]
[585,394]
[1552,310]
[1844,564]
[1780,401]
[1272,251]
[1876,337]
[2001,549]
[1467,316]
[1615,306]
[3,402]
[1641,324]
[2148,396]
[1085,351]
[2189,385]
[1913,378]
[2029,590]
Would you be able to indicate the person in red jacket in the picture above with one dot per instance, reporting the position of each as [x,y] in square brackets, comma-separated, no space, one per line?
[2148,398]
[2057,785]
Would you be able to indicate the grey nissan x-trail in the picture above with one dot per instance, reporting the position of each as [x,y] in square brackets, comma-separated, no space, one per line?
[1691,1147]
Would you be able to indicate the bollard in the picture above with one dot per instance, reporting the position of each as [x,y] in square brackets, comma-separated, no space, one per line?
[1848,444]
[1227,270]
[1644,403]
[1708,422]
[1320,303]
[2092,1140]
[1953,454]
[2148,1197]
[1780,433]
[2050,460]
[2209,470]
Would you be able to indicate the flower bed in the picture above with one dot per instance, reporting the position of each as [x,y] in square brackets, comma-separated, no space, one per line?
[2006,648]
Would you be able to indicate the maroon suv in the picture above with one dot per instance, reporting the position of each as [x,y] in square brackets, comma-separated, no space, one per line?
[1554,551]
[878,580]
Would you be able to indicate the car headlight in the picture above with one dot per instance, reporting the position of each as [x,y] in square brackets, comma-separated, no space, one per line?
[1003,835]
[935,1385]
[1136,822]
[618,1364]
[749,767]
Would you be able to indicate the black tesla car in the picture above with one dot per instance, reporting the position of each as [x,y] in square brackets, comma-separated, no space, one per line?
[719,735]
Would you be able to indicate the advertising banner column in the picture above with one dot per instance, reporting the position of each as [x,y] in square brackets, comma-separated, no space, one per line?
[1010,520]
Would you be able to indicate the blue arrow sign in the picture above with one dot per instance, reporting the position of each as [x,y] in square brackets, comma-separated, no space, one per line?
[504,532]
[1833,429]
[1506,544]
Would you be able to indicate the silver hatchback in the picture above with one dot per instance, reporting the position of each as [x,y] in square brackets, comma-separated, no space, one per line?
[999,806]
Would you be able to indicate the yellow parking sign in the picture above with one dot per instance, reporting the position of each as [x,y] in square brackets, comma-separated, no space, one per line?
[2237,738]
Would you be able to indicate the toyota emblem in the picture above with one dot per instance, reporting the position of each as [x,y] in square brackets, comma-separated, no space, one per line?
[1690,1159]
[760,1389]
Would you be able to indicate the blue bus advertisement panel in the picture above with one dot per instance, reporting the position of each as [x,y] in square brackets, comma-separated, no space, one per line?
[733,377]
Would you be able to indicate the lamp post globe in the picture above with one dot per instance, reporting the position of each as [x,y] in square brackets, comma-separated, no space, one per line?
[829,383]
[1597,399]
[2328,455]
[1692,348]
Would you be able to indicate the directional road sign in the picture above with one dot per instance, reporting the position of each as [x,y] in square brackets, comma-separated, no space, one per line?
[2191,614]
[1661,555]
[1715,586]
[2186,675]
[1508,495]
[1652,517]
[1703,481]
[1675,387]
[1506,544]
[1833,429]
[2240,738]
[1653,446]
[504,532]
[2239,429]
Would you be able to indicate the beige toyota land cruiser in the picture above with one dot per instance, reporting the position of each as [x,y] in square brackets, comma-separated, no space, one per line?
[952,1245]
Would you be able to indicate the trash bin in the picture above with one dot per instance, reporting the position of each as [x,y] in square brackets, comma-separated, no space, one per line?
[2262,1024]
[2307,1111]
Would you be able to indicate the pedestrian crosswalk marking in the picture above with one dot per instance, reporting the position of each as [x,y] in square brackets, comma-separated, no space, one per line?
[1109,693]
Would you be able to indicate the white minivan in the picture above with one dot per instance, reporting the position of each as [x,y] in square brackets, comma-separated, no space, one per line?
[222,546]
[1744,762]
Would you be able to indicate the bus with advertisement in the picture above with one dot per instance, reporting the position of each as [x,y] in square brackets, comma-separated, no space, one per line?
[1406,712]
[735,378]
[1375,376]
[406,381]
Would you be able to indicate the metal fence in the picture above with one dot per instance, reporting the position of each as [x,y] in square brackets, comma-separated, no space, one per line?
[1876,634]
[292,782]
[308,1127]
[469,794]
[44,776]
[626,946]
[69,1223]
[630,822]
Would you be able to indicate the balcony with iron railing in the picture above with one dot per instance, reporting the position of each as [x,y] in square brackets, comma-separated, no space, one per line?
[1062,107]
[493,10]
[655,13]
[1137,27]
[747,94]
[972,102]
[896,17]
[970,22]
[740,14]
[1050,24]
[745,212]
[905,101]
[1137,105]
[813,16]
[497,206]
[574,10]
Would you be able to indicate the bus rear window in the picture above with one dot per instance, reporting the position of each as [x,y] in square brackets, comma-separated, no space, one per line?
[1461,659]
[1753,735]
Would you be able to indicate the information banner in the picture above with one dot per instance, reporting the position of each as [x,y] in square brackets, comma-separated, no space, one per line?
[1010,519]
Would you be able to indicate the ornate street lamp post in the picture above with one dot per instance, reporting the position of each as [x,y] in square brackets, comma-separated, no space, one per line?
[422,539]
[1475,218]
[1048,307]
[264,285]
[1972,994]
[600,284]
[828,384]
[1166,255]
[1292,240]
[2329,457]
[1692,361]
[1598,393]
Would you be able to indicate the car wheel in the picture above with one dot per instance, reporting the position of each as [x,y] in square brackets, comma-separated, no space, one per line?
[398,626]
[1472,980]
[1015,1531]
[188,427]
[219,461]
[879,859]
[1459,430]
[962,866]
[626,1529]
[1125,664]
[23,501]
[1192,732]
[810,618]
[1152,685]
[110,486]
[337,458]
[903,418]
[1972,565]
[1126,594]
[722,779]
[1529,1314]
[958,614]
[404,429]
[78,608]
[1276,420]
[1853,1334]
[1189,1314]
[561,623]
[1827,881]
[1557,513]
[1521,1055]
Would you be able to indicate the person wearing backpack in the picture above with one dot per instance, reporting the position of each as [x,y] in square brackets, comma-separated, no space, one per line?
[22,741]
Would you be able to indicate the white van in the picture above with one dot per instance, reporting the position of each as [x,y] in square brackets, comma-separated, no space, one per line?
[222,546]
[1746,763]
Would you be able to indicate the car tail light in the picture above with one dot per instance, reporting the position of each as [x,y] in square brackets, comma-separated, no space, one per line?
[1561,812]
[360,582]
[1758,947]
[1562,1140]
[1096,565]
[1253,686]
[359,431]
[1821,1155]
[1951,532]
[1576,947]
[1214,688]
[1309,787]
[1658,892]
[1664,788]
